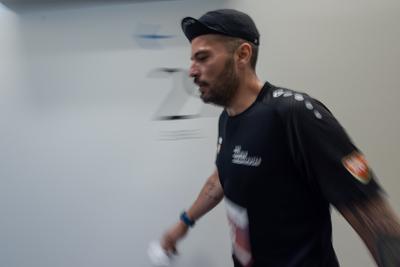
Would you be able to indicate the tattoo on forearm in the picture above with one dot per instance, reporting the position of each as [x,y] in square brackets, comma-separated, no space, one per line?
[388,248]
[379,227]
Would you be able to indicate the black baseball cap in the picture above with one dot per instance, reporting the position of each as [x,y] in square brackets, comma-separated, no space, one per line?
[227,22]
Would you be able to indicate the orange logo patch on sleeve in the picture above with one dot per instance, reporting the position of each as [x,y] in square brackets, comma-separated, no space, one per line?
[357,165]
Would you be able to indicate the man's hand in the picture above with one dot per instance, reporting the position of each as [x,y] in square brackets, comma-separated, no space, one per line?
[172,236]
[210,195]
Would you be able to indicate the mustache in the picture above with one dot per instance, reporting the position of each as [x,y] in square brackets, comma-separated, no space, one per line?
[199,83]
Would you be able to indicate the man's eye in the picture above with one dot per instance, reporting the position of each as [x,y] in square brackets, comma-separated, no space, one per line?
[201,58]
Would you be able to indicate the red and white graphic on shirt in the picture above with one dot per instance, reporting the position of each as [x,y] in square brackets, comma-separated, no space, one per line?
[357,165]
[239,224]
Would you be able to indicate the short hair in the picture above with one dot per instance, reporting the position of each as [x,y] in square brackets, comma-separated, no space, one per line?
[232,43]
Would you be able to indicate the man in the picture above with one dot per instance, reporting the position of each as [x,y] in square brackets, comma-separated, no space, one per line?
[282,160]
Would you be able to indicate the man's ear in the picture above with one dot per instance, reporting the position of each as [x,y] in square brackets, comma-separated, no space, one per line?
[244,53]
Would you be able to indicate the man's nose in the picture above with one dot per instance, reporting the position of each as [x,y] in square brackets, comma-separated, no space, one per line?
[193,71]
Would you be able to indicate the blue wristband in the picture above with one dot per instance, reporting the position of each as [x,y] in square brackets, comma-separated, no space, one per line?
[186,220]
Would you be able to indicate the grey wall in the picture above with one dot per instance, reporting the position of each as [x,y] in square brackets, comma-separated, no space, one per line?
[90,173]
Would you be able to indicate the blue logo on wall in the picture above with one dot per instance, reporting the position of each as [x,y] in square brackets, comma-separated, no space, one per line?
[155,36]
[148,36]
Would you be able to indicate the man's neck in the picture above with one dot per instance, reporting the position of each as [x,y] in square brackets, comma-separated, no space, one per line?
[246,95]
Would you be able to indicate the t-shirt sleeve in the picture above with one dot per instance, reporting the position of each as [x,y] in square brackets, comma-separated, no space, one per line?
[327,156]
[221,134]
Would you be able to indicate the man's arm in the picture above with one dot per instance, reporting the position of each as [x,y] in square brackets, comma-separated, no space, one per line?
[210,195]
[379,228]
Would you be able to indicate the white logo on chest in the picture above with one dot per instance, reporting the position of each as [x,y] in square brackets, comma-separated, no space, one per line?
[242,158]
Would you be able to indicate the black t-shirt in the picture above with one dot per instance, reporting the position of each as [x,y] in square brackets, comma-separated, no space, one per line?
[281,163]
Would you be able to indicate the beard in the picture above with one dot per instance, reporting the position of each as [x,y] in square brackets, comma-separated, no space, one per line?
[224,88]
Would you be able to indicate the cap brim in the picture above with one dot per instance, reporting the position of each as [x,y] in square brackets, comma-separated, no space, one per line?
[193,28]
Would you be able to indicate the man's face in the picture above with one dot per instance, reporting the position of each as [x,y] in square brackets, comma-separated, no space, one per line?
[214,70]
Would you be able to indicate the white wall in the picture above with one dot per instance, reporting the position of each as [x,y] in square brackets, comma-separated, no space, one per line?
[89,175]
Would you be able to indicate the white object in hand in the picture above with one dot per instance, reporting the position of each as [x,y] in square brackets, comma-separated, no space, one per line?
[158,256]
